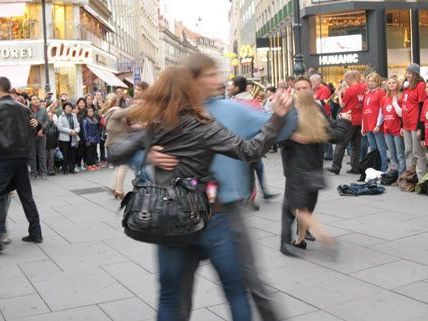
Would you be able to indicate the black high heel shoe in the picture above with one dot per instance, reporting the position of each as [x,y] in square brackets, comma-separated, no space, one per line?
[302,245]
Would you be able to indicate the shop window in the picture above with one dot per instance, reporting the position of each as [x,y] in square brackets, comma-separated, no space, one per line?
[423,36]
[398,41]
[19,21]
[341,32]
[62,17]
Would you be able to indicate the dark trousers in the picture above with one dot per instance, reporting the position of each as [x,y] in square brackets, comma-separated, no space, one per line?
[247,262]
[38,156]
[50,153]
[81,154]
[91,154]
[14,175]
[4,208]
[175,263]
[68,153]
[103,157]
[353,136]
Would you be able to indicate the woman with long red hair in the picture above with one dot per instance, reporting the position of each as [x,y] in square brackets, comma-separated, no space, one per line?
[173,113]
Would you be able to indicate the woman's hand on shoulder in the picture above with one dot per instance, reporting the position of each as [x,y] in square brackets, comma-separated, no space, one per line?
[282,102]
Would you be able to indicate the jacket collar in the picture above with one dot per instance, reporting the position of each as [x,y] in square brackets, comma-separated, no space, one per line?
[6,97]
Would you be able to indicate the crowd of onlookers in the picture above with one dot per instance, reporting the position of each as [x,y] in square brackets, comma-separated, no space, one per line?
[389,116]
[71,135]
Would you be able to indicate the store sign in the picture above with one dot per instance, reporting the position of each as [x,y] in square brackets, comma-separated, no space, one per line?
[340,59]
[73,52]
[20,53]
[246,51]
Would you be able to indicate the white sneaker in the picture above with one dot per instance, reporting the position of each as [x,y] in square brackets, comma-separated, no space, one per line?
[82,169]
[76,170]
[5,240]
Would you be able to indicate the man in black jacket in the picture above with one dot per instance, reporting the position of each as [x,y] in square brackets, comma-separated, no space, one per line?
[15,140]
[38,146]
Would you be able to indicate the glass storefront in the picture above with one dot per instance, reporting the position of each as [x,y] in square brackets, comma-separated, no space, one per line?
[338,32]
[398,40]
[334,74]
[423,36]
[62,17]
[66,78]
[20,21]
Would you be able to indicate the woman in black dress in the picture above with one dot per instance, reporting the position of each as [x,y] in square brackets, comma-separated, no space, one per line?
[303,159]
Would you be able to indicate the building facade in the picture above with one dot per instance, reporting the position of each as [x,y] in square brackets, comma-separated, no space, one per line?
[173,49]
[385,36]
[136,40]
[275,43]
[374,35]
[78,50]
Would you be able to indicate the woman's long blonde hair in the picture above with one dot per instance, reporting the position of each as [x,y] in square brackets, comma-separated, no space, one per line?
[312,122]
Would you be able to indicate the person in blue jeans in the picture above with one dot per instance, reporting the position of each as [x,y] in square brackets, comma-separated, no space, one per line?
[226,237]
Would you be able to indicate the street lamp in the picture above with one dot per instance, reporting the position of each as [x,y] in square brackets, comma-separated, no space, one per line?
[45,47]
[299,66]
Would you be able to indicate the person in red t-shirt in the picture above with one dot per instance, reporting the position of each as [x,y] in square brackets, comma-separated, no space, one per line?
[413,100]
[390,118]
[351,101]
[371,125]
[323,94]
[423,124]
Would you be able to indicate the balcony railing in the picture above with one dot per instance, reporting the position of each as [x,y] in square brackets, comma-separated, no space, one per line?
[97,41]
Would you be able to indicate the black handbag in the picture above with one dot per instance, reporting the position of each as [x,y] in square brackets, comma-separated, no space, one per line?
[170,214]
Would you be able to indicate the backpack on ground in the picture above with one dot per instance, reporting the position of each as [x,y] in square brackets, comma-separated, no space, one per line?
[408,180]
[389,178]
[371,160]
[422,186]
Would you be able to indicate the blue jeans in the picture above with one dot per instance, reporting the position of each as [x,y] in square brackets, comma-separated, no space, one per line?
[4,207]
[364,147]
[328,148]
[377,141]
[396,151]
[216,243]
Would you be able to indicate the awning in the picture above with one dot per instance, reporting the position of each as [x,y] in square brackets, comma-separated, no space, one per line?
[18,75]
[130,80]
[108,77]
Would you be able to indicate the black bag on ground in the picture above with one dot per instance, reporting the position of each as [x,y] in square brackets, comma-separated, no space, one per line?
[389,178]
[371,160]
[354,189]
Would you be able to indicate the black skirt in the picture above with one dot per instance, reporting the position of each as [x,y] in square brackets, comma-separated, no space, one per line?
[299,198]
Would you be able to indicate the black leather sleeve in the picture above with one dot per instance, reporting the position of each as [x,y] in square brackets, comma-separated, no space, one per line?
[220,140]
[338,129]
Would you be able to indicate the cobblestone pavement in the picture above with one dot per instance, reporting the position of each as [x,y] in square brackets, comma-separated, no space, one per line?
[87,269]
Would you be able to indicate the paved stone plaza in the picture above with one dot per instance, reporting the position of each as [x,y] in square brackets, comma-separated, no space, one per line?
[87,269]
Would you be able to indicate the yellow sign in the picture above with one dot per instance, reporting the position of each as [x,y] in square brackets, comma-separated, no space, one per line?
[246,51]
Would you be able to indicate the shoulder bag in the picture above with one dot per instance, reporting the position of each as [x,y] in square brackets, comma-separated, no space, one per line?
[170,214]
